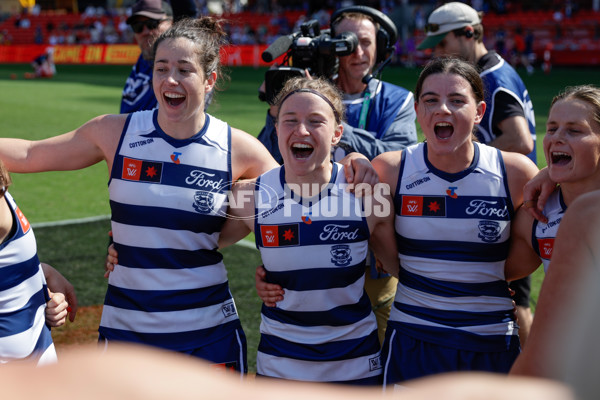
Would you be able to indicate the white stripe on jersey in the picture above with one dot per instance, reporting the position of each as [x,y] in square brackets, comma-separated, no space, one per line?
[21,345]
[321,300]
[322,371]
[167,279]
[160,238]
[171,321]
[317,334]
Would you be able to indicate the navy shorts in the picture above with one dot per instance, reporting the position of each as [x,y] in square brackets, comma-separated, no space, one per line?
[227,353]
[405,357]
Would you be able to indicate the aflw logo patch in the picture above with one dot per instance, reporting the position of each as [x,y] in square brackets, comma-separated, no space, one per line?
[22,220]
[429,206]
[279,235]
[546,246]
[144,171]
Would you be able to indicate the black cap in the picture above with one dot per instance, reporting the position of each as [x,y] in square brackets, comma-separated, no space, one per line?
[154,9]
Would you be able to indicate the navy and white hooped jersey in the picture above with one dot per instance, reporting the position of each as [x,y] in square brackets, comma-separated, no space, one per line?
[452,232]
[544,234]
[23,296]
[167,198]
[503,77]
[324,329]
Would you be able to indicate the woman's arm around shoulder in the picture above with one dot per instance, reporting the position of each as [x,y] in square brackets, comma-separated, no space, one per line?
[249,157]
[387,166]
[520,170]
[240,214]
[381,218]
[522,259]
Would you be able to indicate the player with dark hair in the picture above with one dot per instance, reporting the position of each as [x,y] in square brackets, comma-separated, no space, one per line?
[148,19]
[454,202]
[169,172]
[509,122]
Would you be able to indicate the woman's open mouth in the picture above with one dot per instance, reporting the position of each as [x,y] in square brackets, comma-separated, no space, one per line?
[174,99]
[443,130]
[560,158]
[302,150]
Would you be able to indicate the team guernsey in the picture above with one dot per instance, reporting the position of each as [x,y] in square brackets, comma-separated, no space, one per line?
[168,203]
[23,296]
[503,77]
[380,119]
[452,233]
[324,329]
[544,234]
[138,93]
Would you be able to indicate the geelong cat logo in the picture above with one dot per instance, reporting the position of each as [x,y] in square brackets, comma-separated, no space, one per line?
[340,255]
[489,231]
[203,201]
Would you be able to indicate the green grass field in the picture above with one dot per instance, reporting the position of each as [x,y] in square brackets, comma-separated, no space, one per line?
[42,108]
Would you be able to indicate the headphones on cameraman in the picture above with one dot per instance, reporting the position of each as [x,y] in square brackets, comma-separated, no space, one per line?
[386,36]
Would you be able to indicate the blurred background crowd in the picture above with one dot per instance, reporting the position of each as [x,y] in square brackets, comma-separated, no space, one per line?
[513,28]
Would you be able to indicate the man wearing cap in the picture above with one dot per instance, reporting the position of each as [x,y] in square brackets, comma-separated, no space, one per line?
[509,123]
[149,18]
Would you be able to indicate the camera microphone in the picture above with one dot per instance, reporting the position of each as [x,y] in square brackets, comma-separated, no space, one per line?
[277,48]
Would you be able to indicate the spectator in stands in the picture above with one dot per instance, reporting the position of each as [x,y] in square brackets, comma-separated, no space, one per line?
[456,29]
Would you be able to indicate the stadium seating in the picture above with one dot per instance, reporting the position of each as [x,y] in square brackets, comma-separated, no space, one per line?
[576,39]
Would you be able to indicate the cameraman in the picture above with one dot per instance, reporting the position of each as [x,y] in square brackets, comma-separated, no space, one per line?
[380,116]
[387,110]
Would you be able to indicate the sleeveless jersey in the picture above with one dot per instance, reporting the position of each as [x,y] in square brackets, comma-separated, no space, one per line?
[23,296]
[544,234]
[167,198]
[452,232]
[324,329]
[503,77]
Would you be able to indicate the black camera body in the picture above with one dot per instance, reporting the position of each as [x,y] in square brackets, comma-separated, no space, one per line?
[310,49]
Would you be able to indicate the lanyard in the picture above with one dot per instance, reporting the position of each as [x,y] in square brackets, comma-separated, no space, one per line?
[364,110]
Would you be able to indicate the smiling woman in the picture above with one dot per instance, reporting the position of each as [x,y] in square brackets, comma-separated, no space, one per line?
[324,330]
[454,201]
[171,288]
[572,150]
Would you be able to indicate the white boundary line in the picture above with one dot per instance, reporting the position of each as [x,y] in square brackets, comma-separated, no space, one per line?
[244,243]
[70,221]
